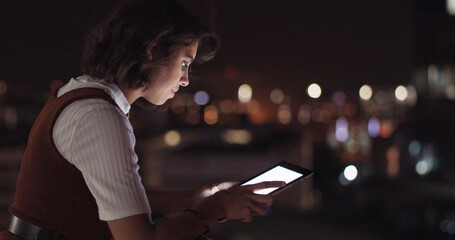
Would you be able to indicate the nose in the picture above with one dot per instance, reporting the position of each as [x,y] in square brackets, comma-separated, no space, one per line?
[184,81]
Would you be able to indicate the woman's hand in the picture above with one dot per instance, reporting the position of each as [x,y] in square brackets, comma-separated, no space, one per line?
[209,190]
[239,203]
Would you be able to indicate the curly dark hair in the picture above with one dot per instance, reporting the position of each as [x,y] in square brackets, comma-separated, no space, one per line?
[144,31]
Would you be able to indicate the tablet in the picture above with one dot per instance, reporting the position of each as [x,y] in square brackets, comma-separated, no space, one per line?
[283,171]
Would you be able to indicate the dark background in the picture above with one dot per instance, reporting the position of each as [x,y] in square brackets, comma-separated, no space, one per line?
[340,45]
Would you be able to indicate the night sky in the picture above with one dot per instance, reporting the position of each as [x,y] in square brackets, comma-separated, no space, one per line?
[288,44]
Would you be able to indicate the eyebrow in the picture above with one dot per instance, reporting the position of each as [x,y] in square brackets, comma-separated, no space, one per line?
[190,57]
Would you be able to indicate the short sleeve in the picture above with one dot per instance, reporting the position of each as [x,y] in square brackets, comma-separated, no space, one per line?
[103,150]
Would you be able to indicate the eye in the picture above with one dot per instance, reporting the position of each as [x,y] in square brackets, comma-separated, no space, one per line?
[185,65]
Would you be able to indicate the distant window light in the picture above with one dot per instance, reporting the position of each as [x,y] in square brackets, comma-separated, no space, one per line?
[451,7]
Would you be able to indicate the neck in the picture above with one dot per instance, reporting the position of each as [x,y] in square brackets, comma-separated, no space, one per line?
[131,95]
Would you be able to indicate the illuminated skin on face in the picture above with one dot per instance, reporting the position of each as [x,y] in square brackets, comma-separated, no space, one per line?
[170,77]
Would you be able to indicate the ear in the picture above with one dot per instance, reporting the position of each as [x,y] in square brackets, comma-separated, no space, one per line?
[149,49]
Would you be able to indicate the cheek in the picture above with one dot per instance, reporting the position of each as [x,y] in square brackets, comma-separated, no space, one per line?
[157,90]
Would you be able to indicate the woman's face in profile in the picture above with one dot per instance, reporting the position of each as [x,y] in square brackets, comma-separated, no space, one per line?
[169,78]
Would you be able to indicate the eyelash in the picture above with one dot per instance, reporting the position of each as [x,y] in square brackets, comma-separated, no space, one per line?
[185,65]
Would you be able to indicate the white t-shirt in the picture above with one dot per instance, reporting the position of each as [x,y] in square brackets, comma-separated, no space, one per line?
[97,138]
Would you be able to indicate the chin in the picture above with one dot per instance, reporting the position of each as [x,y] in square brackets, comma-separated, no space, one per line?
[156,101]
[159,103]
[146,104]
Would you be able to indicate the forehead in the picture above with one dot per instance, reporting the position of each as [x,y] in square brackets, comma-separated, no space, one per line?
[189,51]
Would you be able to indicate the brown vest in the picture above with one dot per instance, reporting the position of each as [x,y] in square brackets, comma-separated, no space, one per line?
[51,193]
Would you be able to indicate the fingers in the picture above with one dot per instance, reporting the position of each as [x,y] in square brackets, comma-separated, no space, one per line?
[262,185]
[257,210]
[219,187]
[247,216]
[242,203]
[265,200]
[253,209]
[226,185]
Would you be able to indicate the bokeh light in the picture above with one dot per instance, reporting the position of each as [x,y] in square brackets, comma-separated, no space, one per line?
[385,130]
[422,167]
[201,98]
[350,172]
[253,107]
[450,6]
[374,127]
[325,116]
[353,146]
[412,95]
[401,93]
[10,118]
[366,92]
[304,115]
[393,161]
[448,225]
[432,72]
[315,115]
[231,71]
[427,162]
[236,136]
[245,93]
[414,148]
[314,90]
[450,92]
[211,115]
[3,87]
[339,98]
[277,96]
[284,114]
[341,129]
[172,138]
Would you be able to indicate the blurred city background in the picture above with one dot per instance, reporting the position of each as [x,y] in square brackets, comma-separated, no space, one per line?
[362,92]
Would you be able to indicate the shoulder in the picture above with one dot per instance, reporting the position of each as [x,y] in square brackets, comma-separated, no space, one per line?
[96,106]
[90,113]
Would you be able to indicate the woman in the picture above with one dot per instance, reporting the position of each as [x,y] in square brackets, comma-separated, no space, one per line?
[79,175]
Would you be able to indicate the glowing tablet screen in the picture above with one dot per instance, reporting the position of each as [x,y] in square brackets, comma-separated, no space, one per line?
[277,173]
